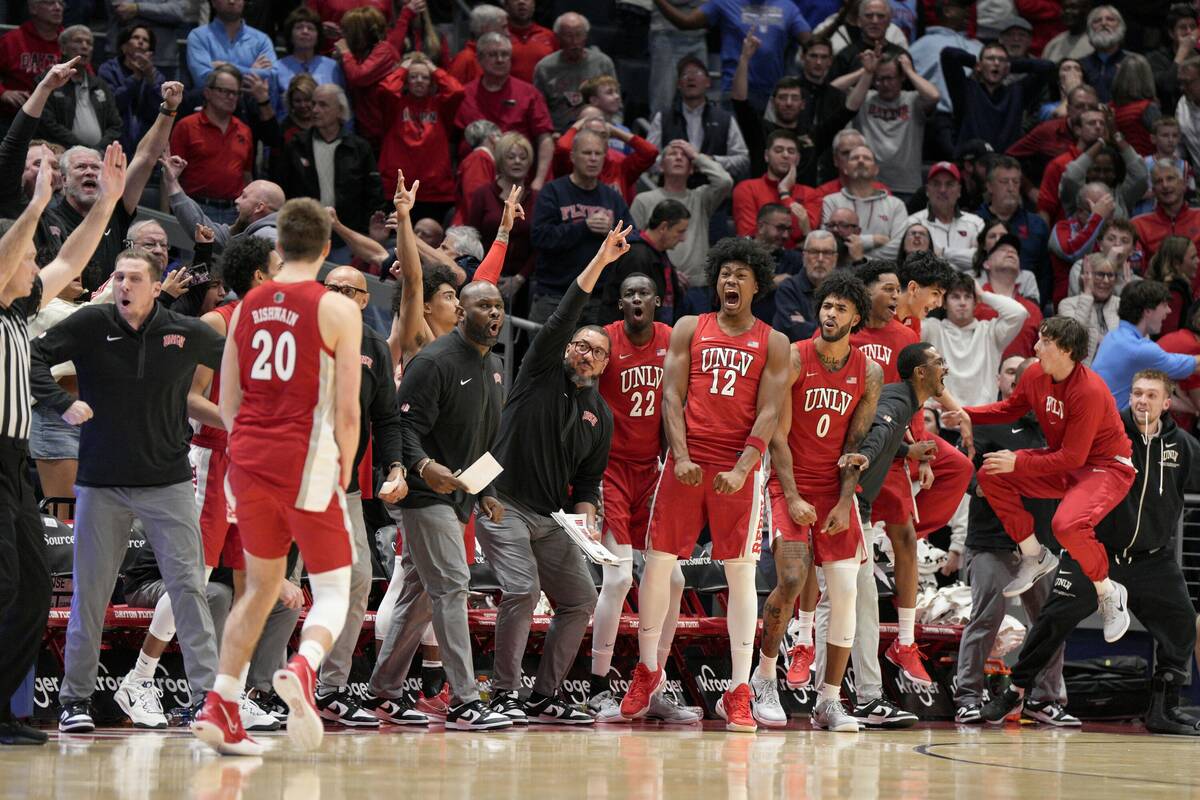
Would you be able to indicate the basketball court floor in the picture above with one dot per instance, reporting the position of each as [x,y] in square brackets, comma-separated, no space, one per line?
[642,761]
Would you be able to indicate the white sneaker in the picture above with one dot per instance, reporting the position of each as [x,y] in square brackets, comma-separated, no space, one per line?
[253,716]
[1114,610]
[1029,571]
[829,715]
[606,708]
[139,699]
[665,708]
[766,706]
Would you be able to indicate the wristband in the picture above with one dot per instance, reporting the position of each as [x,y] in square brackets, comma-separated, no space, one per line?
[167,112]
[399,466]
[421,469]
[757,443]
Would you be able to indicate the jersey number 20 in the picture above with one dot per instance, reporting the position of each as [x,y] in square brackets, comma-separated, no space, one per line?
[284,350]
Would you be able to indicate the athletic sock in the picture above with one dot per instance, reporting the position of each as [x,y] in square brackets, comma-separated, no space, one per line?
[907,618]
[829,692]
[227,688]
[1103,587]
[433,678]
[766,666]
[597,685]
[313,653]
[806,628]
[145,666]
[1030,546]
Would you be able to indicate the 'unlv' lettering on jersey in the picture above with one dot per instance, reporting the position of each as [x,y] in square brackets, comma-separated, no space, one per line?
[637,377]
[878,353]
[725,358]
[833,399]
[1055,406]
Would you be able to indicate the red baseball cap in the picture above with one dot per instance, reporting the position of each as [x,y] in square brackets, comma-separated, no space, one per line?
[944,166]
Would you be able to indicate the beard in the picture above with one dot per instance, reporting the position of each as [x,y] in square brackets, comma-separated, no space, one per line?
[1103,40]
[837,335]
[580,381]
[478,333]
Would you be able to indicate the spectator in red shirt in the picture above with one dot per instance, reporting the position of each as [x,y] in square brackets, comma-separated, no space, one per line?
[217,146]
[1135,102]
[478,168]
[418,109]
[511,103]
[1091,127]
[1076,236]
[1186,340]
[1053,137]
[531,42]
[485,18]
[777,185]
[367,58]
[514,161]
[621,171]
[1171,216]
[27,52]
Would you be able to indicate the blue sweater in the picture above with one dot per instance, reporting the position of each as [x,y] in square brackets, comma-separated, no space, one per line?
[1125,351]
[995,116]
[562,243]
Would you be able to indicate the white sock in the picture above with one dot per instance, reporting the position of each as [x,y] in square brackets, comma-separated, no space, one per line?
[806,628]
[313,653]
[228,688]
[908,620]
[654,597]
[145,666]
[1030,546]
[829,692]
[766,666]
[741,617]
[1103,587]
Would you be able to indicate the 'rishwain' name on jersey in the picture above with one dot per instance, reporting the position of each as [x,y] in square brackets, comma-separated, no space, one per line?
[833,399]
[641,377]
[275,314]
[725,358]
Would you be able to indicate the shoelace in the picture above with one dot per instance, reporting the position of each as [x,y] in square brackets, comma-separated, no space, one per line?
[149,698]
[770,693]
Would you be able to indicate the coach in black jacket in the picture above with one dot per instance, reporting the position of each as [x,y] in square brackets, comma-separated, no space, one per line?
[1139,535]
[356,191]
[135,361]
[554,443]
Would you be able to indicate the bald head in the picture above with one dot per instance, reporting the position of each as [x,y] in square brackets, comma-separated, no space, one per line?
[340,277]
[473,290]
[269,194]
[257,200]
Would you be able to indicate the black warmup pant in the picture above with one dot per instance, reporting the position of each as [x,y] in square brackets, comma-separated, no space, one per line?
[24,577]
[1158,597]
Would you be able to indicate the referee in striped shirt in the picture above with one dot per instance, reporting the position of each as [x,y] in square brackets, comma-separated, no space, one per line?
[24,575]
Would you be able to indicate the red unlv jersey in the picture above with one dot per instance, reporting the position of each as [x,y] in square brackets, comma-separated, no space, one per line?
[883,346]
[823,404]
[283,432]
[722,398]
[207,435]
[632,387]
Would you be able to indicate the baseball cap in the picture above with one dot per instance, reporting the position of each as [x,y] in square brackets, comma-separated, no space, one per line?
[973,150]
[1009,23]
[688,61]
[944,167]
[1009,239]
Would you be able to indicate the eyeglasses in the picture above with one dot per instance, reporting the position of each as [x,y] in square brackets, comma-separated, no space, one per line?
[1105,276]
[223,91]
[346,289]
[583,348]
[821,253]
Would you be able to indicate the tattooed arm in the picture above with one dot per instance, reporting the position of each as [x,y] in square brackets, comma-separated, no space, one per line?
[839,517]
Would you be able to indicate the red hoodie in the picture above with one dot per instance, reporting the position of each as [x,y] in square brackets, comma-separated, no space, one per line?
[416,135]
[621,171]
[363,78]
[24,56]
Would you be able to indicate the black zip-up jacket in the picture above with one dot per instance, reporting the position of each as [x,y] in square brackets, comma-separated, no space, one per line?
[137,385]
[357,190]
[884,442]
[554,437]
[1167,465]
[984,530]
[450,402]
[378,412]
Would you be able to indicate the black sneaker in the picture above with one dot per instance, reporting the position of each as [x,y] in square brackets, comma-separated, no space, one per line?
[394,711]
[271,703]
[509,705]
[968,714]
[553,711]
[15,732]
[338,706]
[880,713]
[1050,714]
[76,718]
[475,716]
[1001,705]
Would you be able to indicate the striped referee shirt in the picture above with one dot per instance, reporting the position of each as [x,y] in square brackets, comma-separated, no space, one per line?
[16,400]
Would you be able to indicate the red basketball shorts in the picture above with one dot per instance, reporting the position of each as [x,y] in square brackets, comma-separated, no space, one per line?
[826,547]
[269,523]
[679,512]
[894,505]
[627,490]
[208,477]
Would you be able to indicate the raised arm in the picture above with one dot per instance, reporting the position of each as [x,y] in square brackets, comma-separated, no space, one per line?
[152,145]
[928,92]
[740,90]
[692,19]
[79,247]
[771,388]
[493,263]
[17,241]
[361,246]
[409,328]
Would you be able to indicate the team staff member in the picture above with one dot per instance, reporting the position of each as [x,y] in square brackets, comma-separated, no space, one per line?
[135,361]
[554,441]
[450,403]
[1139,535]
[379,423]
[24,576]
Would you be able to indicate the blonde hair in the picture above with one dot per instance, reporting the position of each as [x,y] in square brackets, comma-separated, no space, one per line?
[510,140]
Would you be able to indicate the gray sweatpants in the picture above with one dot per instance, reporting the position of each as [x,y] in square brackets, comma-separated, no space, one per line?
[103,517]
[270,654]
[219,596]
[988,572]
[335,671]
[436,585]
[530,554]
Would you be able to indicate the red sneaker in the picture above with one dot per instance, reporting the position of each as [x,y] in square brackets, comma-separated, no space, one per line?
[219,725]
[437,706]
[295,685]
[644,684]
[907,657]
[734,708]
[800,661]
